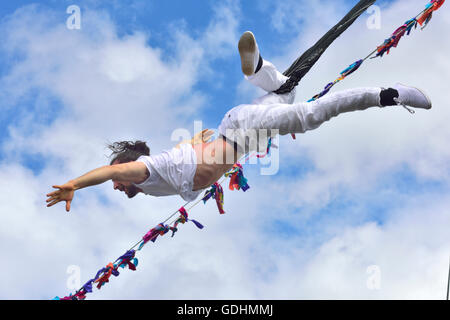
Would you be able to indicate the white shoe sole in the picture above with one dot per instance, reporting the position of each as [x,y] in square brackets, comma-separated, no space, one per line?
[247,49]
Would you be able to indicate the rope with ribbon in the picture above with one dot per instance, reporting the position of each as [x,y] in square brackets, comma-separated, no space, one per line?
[128,259]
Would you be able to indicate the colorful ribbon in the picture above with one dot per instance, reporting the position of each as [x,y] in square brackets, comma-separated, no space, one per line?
[159,230]
[183,219]
[352,68]
[216,192]
[237,179]
[106,272]
[128,259]
[425,18]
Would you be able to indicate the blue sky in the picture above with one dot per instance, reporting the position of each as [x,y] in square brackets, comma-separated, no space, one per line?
[368,188]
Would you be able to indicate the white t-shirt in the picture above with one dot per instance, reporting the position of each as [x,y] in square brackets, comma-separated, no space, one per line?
[171,172]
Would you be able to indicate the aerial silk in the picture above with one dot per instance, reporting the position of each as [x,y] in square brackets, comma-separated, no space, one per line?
[306,61]
[237,180]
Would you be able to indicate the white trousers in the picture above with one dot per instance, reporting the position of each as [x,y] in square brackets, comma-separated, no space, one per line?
[250,125]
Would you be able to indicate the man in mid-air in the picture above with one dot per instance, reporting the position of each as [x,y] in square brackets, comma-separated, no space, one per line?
[193,166]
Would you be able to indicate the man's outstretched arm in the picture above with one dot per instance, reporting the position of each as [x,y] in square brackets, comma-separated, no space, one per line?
[135,172]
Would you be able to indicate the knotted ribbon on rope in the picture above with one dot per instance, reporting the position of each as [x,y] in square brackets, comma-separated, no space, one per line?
[160,230]
[183,218]
[352,68]
[393,41]
[216,192]
[109,270]
[128,259]
[237,179]
[425,18]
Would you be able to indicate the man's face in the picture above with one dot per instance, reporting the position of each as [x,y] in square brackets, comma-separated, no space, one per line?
[125,186]
[130,189]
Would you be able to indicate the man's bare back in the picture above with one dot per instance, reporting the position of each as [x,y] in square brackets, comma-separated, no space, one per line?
[212,162]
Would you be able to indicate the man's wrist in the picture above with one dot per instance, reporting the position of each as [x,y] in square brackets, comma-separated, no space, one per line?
[73,184]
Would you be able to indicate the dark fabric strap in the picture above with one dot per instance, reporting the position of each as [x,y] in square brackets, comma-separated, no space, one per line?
[260,63]
[306,61]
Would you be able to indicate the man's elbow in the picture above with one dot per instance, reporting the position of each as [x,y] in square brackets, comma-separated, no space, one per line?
[131,172]
[117,172]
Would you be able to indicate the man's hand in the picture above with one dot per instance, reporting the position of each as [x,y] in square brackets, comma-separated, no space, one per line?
[200,137]
[65,193]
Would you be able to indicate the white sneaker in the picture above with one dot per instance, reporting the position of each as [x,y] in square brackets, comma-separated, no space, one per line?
[248,49]
[413,97]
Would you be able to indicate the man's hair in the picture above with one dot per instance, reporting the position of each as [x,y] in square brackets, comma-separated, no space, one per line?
[127,151]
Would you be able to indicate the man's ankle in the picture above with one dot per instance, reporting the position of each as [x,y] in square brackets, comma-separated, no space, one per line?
[387,97]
